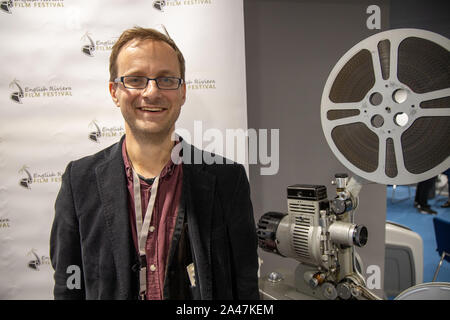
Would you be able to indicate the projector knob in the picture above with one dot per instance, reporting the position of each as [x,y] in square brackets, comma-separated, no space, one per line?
[340,206]
[329,291]
[275,277]
[344,290]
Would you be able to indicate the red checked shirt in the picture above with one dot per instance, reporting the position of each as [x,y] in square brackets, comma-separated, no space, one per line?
[162,224]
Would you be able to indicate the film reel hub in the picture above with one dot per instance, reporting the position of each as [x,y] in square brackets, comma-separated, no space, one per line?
[391,109]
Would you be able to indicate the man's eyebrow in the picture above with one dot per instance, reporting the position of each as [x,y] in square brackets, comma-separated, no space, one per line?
[166,73]
[160,73]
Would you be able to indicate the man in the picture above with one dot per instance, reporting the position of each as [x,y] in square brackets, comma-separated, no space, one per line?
[447,203]
[422,193]
[136,222]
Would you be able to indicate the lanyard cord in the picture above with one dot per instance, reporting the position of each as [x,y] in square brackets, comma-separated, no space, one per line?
[142,227]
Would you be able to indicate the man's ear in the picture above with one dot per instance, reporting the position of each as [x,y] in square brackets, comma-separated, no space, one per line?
[113,92]
[183,92]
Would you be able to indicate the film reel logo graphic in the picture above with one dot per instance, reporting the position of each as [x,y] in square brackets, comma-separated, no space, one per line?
[5,6]
[385,107]
[89,48]
[37,262]
[16,96]
[96,134]
[28,180]
[159,5]
[34,264]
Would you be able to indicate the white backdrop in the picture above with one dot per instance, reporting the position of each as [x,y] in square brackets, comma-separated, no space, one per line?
[55,105]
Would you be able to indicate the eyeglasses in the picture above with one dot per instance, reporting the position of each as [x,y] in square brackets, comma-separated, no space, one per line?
[141,82]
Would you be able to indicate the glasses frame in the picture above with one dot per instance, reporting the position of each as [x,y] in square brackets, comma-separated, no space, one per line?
[121,80]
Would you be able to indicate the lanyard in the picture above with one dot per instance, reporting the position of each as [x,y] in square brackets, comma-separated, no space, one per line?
[142,227]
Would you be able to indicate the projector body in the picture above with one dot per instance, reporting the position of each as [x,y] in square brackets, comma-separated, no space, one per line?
[321,235]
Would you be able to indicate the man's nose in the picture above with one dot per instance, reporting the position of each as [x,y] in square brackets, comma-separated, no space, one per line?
[151,88]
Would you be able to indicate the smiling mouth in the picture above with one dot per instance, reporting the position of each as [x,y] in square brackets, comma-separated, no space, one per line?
[152,109]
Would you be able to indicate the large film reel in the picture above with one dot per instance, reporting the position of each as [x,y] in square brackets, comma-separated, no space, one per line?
[385,107]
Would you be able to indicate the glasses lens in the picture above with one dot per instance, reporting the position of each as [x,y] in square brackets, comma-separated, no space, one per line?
[168,82]
[135,82]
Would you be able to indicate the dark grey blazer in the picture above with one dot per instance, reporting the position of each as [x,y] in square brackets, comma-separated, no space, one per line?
[91,230]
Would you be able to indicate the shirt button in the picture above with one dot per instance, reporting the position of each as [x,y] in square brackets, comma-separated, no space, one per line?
[152,228]
[152,267]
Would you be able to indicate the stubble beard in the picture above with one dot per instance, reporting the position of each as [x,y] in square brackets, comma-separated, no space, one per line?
[146,134]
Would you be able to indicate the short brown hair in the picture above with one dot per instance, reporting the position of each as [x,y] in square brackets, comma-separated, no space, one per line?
[140,33]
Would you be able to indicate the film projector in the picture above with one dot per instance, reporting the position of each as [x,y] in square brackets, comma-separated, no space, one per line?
[385,113]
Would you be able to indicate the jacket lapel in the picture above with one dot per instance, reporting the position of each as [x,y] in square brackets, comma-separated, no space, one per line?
[112,189]
[198,190]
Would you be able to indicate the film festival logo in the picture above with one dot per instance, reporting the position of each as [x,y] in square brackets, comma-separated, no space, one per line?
[16,96]
[90,46]
[6,6]
[96,133]
[37,261]
[88,49]
[4,223]
[20,92]
[160,5]
[29,178]
[201,84]
[26,181]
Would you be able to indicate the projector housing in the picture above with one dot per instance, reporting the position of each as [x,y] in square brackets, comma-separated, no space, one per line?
[318,233]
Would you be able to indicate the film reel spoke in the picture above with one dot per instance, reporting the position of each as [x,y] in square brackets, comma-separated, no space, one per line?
[435,113]
[343,105]
[380,65]
[346,121]
[390,157]
[382,153]
[399,160]
[433,95]
[434,104]
[393,67]
[342,110]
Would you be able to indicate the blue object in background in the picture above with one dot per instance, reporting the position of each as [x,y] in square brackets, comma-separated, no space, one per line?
[402,211]
[442,233]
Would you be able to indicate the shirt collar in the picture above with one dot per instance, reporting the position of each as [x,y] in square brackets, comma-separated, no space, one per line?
[166,171]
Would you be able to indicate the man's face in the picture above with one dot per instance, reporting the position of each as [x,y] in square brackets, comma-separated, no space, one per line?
[151,111]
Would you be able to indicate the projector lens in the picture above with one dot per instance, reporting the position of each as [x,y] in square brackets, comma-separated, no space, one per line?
[360,236]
